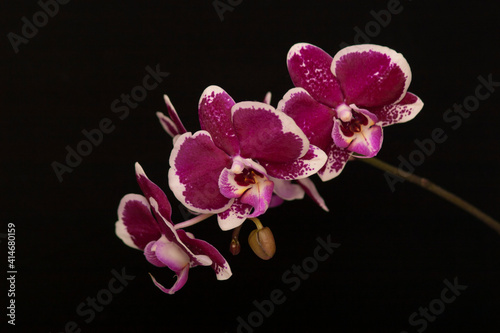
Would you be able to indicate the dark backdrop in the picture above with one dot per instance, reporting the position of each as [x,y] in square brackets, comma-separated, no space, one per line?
[397,248]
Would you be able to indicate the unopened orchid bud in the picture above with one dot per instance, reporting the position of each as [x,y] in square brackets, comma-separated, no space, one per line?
[262,243]
[235,246]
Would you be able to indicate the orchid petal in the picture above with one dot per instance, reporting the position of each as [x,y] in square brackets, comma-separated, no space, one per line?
[195,167]
[371,75]
[259,196]
[171,254]
[172,235]
[267,98]
[173,125]
[174,116]
[214,110]
[337,158]
[152,191]
[403,111]
[309,68]
[136,226]
[200,247]
[182,277]
[286,190]
[234,216]
[150,255]
[276,201]
[266,134]
[167,124]
[308,186]
[313,118]
[302,167]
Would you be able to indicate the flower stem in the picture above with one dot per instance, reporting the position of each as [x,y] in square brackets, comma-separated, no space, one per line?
[430,186]
[257,222]
[234,246]
[192,221]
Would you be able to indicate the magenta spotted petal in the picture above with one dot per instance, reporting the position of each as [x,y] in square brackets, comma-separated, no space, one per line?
[371,75]
[266,134]
[337,159]
[316,120]
[214,111]
[195,167]
[403,111]
[234,216]
[312,117]
[300,168]
[309,68]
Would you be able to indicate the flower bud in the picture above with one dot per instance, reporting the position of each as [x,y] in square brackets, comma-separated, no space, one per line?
[262,243]
[235,246]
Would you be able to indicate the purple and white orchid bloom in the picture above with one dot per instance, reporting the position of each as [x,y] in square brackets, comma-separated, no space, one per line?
[226,168]
[144,223]
[342,103]
[283,189]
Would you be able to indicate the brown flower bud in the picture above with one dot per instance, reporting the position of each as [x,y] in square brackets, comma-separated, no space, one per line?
[235,246]
[262,243]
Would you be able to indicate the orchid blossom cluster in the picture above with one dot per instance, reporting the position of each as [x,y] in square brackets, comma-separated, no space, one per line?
[249,156]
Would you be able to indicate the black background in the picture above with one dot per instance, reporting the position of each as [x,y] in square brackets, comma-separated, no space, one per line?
[396,248]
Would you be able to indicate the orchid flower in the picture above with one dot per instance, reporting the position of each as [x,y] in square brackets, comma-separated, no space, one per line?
[342,103]
[283,189]
[145,224]
[226,167]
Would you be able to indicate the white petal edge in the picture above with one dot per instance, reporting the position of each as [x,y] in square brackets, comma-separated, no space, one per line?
[164,119]
[288,96]
[216,90]
[120,228]
[173,180]
[295,50]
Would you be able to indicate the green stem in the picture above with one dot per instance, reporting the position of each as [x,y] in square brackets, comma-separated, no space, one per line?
[430,186]
[257,222]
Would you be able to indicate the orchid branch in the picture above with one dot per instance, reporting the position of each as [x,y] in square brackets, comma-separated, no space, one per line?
[430,186]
